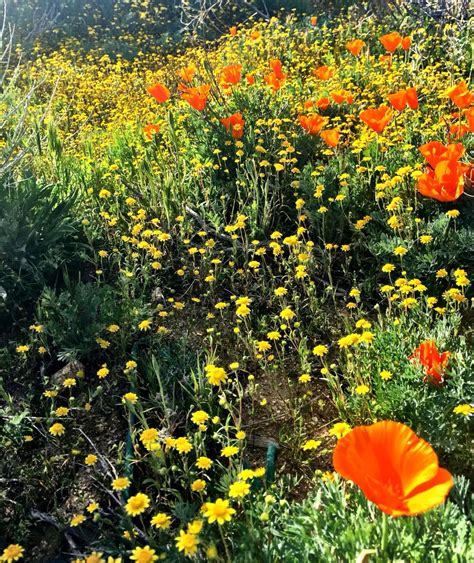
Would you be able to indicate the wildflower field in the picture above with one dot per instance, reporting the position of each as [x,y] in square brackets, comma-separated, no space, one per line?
[235,296]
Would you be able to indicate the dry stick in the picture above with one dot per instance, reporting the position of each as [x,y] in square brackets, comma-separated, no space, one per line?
[7,53]
[202,14]
[265,15]
[10,163]
[71,543]
[112,472]
[206,227]
[119,503]
[44,517]
[46,20]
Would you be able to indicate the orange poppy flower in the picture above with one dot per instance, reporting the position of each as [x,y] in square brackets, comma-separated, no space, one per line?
[187,73]
[398,100]
[330,137]
[231,75]
[323,103]
[376,118]
[313,20]
[391,41]
[433,362]
[469,113]
[324,72]
[313,123]
[160,92]
[458,130]
[394,468]
[150,130]
[445,182]
[250,78]
[340,96]
[275,65]
[434,152]
[255,35]
[235,124]
[406,43]
[196,97]
[233,30]
[355,46]
[276,78]
[412,98]
[460,95]
[273,81]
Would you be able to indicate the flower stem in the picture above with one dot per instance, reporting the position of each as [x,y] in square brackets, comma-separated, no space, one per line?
[225,545]
[384,540]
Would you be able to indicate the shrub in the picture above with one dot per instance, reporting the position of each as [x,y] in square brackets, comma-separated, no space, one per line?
[337,523]
[38,239]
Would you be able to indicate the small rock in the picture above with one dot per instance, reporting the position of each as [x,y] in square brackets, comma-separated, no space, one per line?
[69,370]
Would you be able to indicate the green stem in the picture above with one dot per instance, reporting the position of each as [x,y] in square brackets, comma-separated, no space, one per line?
[227,554]
[384,540]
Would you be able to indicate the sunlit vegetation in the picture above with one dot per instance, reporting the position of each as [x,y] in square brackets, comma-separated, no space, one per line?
[235,295]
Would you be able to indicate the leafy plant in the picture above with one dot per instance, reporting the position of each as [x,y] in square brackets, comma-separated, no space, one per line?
[38,238]
[404,395]
[337,523]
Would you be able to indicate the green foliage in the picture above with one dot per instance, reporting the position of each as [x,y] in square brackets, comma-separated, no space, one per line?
[75,316]
[38,238]
[124,26]
[451,246]
[406,396]
[337,523]
[116,25]
[170,224]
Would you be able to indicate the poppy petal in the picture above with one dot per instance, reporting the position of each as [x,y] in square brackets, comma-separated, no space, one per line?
[395,468]
[431,493]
